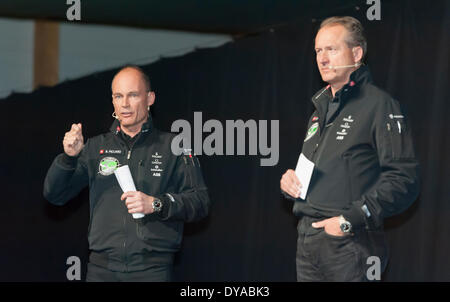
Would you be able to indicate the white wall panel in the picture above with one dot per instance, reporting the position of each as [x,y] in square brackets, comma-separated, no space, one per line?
[16,56]
[86,49]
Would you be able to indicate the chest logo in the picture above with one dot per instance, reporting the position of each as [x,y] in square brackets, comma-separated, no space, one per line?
[311,131]
[156,168]
[106,151]
[156,155]
[108,165]
[345,127]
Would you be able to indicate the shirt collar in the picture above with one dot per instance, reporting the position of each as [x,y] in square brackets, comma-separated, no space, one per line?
[146,127]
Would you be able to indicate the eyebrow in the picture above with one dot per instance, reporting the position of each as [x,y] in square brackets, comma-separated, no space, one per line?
[326,47]
[133,91]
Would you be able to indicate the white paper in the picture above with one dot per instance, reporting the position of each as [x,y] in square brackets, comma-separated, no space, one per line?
[304,171]
[126,183]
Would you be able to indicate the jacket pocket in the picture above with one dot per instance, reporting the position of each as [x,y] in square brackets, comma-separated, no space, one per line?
[337,237]
[399,139]
[160,233]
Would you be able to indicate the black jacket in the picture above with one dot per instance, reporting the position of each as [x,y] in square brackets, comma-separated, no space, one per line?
[117,240]
[365,165]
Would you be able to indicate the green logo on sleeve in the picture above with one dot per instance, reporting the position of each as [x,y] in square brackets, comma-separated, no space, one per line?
[311,131]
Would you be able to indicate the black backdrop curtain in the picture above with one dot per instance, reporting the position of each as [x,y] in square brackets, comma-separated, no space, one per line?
[250,234]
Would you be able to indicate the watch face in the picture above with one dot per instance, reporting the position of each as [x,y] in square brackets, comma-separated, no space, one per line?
[345,227]
[157,205]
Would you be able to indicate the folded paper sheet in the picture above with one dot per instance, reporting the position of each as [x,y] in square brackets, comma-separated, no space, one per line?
[304,171]
[126,183]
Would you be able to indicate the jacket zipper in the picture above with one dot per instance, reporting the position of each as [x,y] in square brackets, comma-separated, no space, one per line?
[391,139]
[125,221]
[125,244]
[125,218]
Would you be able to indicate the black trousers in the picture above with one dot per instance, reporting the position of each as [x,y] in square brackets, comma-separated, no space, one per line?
[324,257]
[156,273]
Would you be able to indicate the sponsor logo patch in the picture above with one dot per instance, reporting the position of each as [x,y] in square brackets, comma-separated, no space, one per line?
[311,131]
[108,165]
[345,127]
[156,168]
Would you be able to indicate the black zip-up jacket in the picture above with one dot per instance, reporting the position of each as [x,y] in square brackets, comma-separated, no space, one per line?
[365,165]
[118,241]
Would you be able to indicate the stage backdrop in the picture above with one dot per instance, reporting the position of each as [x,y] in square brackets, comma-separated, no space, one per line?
[251,232]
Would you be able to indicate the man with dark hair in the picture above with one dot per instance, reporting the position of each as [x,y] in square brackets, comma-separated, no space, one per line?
[365,166]
[170,188]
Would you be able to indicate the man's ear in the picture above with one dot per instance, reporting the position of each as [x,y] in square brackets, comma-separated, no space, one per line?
[357,53]
[150,98]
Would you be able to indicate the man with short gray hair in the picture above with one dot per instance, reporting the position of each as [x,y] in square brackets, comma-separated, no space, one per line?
[365,169]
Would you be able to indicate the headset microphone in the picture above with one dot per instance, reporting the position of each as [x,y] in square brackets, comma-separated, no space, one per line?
[344,66]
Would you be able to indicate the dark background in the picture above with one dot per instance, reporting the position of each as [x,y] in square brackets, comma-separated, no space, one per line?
[271,75]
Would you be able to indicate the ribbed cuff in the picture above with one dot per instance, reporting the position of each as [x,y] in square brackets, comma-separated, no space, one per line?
[166,203]
[69,162]
[287,196]
[355,215]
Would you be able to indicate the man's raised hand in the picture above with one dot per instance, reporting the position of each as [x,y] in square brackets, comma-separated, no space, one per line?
[73,140]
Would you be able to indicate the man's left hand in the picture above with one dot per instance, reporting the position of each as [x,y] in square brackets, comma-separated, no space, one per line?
[138,202]
[331,225]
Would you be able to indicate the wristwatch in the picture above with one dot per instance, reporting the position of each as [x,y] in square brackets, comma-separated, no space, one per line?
[346,226]
[157,205]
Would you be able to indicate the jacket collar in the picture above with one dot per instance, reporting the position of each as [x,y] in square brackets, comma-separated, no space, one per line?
[361,76]
[358,77]
[146,127]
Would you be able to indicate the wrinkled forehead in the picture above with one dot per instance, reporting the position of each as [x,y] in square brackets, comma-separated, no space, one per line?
[330,35]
